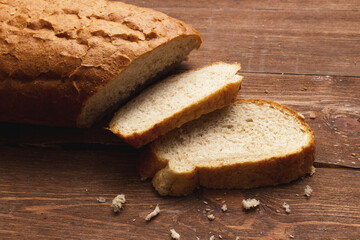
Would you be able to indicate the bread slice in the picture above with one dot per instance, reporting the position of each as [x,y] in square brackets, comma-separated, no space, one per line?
[66,62]
[176,100]
[248,144]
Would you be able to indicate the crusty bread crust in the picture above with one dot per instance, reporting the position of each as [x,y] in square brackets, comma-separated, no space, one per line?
[268,172]
[55,55]
[216,100]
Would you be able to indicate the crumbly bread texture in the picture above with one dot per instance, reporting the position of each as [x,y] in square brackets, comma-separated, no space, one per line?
[175,101]
[153,213]
[248,144]
[117,203]
[250,203]
[64,63]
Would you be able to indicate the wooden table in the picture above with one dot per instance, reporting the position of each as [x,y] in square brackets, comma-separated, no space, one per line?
[303,54]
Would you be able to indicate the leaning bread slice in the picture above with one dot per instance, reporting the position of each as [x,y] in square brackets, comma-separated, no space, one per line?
[175,101]
[250,143]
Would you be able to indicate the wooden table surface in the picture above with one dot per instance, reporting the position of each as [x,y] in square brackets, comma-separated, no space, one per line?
[301,53]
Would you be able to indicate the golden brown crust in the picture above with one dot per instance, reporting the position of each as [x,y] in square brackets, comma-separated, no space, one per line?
[54,55]
[267,172]
[219,99]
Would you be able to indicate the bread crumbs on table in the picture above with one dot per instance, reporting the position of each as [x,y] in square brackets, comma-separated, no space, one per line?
[250,203]
[224,208]
[174,234]
[308,190]
[117,203]
[286,207]
[153,213]
[211,217]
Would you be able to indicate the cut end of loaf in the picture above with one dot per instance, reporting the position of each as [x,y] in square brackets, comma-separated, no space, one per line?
[175,101]
[135,75]
[249,144]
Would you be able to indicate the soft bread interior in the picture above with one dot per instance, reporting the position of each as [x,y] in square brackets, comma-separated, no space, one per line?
[172,95]
[242,132]
[135,75]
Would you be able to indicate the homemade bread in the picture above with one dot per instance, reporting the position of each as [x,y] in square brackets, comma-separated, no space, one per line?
[64,63]
[176,100]
[250,143]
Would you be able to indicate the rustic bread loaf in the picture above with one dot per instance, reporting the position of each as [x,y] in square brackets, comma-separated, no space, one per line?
[64,63]
[176,100]
[250,143]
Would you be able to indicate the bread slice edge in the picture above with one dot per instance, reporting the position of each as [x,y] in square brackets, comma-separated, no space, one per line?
[218,99]
[267,172]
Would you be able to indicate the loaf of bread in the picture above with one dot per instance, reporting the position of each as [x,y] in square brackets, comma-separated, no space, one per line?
[175,101]
[250,143]
[65,62]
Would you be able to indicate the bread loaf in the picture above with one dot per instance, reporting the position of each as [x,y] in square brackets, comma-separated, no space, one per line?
[250,143]
[64,63]
[175,101]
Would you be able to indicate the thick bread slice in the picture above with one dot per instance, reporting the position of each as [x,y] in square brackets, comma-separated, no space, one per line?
[175,101]
[64,63]
[250,143]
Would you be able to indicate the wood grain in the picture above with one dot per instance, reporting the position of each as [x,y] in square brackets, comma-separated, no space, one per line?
[303,54]
[53,194]
[305,37]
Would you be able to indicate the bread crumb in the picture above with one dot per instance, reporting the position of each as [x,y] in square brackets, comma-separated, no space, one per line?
[174,234]
[205,202]
[250,203]
[153,213]
[207,209]
[143,179]
[291,236]
[224,208]
[278,211]
[312,170]
[297,194]
[266,91]
[353,154]
[304,89]
[286,207]
[218,199]
[249,120]
[134,220]
[101,199]
[220,236]
[308,191]
[212,237]
[117,202]
[237,238]
[312,115]
[211,217]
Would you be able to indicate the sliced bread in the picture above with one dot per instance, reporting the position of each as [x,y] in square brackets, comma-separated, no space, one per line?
[175,101]
[66,62]
[248,144]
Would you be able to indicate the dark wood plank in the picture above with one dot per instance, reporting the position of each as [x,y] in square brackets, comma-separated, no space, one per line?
[305,37]
[51,194]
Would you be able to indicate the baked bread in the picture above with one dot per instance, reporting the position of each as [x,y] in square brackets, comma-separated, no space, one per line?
[64,63]
[248,144]
[175,101]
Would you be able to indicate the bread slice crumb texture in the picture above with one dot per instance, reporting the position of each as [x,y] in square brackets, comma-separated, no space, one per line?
[249,131]
[248,144]
[176,100]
